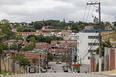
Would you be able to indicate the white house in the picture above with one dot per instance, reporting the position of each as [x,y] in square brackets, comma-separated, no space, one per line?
[86,42]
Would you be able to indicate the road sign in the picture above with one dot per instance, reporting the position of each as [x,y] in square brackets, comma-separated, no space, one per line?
[75,64]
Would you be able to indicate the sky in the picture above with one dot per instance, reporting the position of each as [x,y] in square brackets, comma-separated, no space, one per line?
[71,10]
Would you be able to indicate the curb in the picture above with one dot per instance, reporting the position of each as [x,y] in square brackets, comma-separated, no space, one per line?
[1,75]
[4,75]
[97,73]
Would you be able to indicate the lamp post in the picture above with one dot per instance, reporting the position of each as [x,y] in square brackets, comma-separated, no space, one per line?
[9,59]
[39,63]
[72,59]
[46,61]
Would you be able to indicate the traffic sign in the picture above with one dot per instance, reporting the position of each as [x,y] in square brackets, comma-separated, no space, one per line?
[75,64]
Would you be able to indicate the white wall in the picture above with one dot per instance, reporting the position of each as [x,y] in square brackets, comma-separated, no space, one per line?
[83,47]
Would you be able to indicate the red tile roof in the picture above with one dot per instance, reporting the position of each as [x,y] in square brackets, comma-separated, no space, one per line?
[53,42]
[88,27]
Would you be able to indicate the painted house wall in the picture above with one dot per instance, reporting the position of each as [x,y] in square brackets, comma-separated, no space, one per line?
[109,59]
[83,46]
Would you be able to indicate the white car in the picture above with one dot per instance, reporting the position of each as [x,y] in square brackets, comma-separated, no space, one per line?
[60,62]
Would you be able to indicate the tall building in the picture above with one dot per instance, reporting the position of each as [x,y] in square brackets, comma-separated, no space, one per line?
[86,42]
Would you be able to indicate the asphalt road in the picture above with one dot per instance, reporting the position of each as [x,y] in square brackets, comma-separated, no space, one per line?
[57,75]
[56,67]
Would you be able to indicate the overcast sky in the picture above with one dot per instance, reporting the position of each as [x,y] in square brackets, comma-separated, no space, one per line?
[71,10]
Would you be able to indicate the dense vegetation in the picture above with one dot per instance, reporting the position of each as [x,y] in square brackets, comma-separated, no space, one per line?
[42,38]
[61,25]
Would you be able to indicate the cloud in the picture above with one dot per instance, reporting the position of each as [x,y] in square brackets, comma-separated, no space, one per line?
[34,10]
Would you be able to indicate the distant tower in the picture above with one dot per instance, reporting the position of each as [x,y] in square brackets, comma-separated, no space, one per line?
[64,20]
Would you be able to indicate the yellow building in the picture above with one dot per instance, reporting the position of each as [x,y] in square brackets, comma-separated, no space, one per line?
[110,35]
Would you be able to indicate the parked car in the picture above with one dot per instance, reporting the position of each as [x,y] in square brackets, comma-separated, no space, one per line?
[32,70]
[44,71]
[49,67]
[65,69]
[57,62]
[60,62]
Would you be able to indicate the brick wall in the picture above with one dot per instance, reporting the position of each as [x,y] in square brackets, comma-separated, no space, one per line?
[109,59]
[112,59]
[92,65]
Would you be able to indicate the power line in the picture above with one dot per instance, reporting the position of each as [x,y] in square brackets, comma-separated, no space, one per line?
[88,13]
[87,51]
[88,46]
[109,17]
[84,13]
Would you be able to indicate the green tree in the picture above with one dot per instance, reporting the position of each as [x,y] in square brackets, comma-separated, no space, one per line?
[32,39]
[50,56]
[5,22]
[104,44]
[24,62]
[34,60]
[20,29]
[30,36]
[29,47]
[63,57]
[38,24]
[21,59]
[5,30]
[107,24]
[17,37]
[17,46]
[29,30]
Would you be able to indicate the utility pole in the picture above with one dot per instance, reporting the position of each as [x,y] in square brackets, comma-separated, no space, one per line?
[9,59]
[72,59]
[99,8]
[39,62]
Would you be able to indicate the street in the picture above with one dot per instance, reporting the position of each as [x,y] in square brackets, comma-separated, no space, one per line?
[57,75]
[59,72]
[56,67]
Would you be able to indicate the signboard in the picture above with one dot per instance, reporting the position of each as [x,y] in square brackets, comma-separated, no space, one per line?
[75,64]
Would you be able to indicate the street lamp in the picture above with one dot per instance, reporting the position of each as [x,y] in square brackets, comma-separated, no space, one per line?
[39,56]
[73,56]
[9,58]
[72,59]
[46,60]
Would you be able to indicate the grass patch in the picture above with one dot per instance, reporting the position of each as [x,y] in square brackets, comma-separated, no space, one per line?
[4,73]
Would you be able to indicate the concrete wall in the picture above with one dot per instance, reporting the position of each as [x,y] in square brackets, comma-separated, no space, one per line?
[109,59]
[83,47]
[85,68]
[9,66]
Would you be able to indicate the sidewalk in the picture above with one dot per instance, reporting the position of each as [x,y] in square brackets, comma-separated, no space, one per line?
[112,73]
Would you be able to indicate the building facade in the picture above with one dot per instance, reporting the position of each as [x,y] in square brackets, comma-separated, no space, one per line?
[86,43]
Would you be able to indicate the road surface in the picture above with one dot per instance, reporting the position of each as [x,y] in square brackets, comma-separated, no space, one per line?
[56,67]
[57,75]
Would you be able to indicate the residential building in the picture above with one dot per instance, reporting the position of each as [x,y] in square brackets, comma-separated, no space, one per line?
[46,27]
[89,28]
[73,36]
[108,28]
[86,42]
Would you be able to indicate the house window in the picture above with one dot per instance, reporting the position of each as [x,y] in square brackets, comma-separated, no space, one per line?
[93,44]
[88,58]
[93,37]
[91,50]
